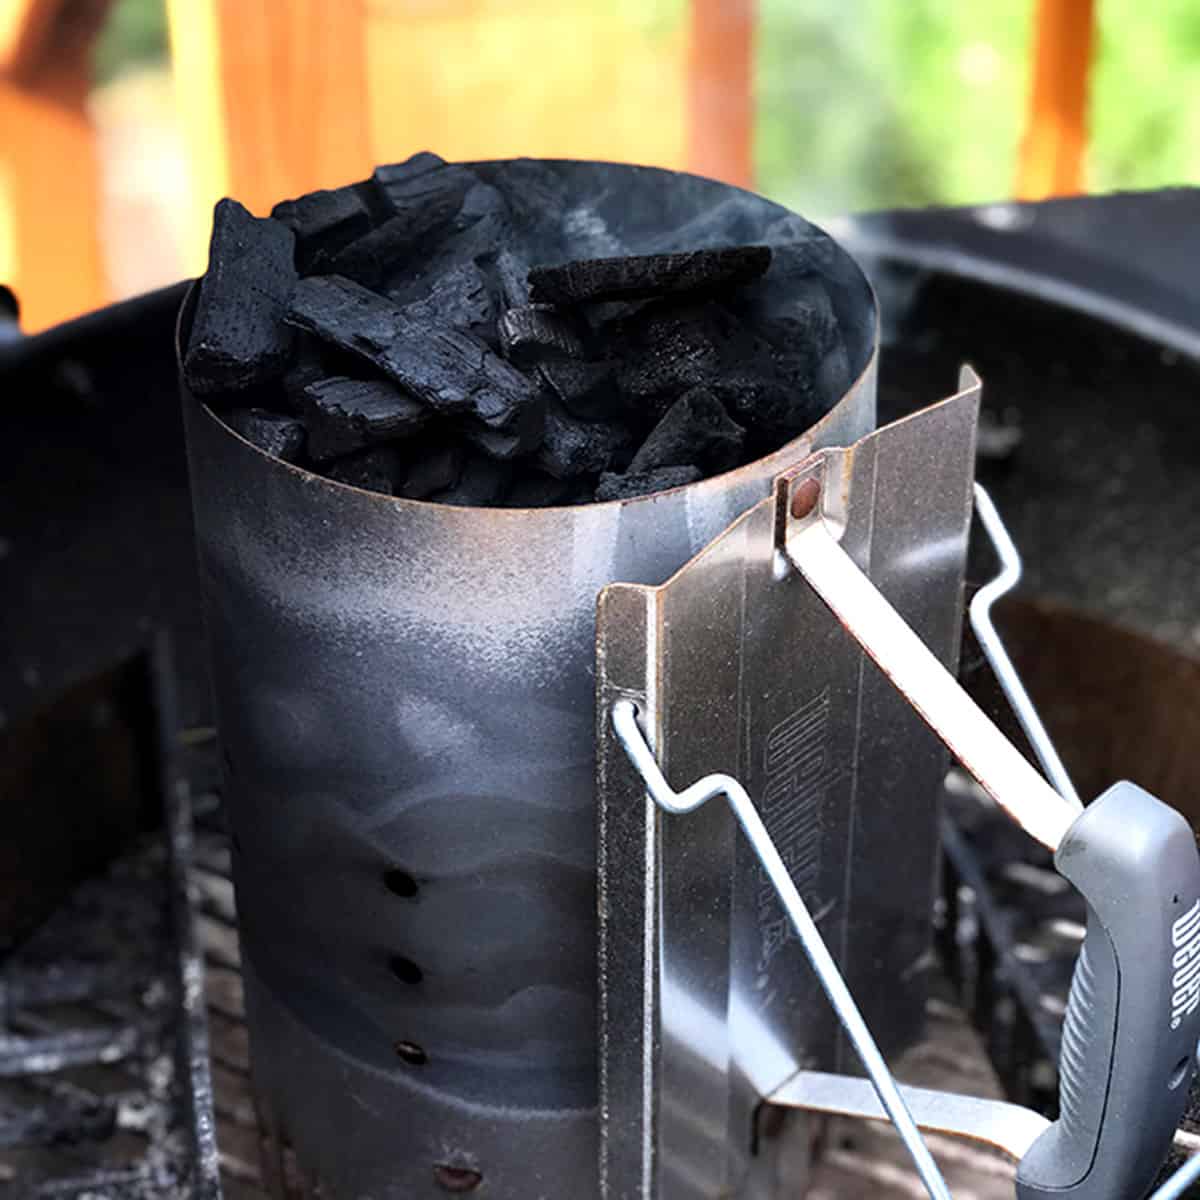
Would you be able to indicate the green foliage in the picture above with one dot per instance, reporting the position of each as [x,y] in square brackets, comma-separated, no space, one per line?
[134,35]
[882,103]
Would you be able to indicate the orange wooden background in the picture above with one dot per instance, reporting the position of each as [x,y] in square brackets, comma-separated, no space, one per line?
[277,97]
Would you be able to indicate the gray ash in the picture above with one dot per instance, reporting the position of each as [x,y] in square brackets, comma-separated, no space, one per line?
[525,333]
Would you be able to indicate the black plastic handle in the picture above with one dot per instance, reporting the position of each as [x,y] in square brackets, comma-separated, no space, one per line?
[1133,1015]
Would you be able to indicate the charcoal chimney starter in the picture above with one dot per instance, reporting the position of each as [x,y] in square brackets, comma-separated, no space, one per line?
[406,703]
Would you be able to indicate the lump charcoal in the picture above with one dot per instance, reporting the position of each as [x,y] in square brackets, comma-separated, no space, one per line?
[589,280]
[483,481]
[512,274]
[587,390]
[281,437]
[375,470]
[695,429]
[324,222]
[505,445]
[460,298]
[370,258]
[536,194]
[533,489]
[672,350]
[423,181]
[570,447]
[531,333]
[238,338]
[434,464]
[307,366]
[452,371]
[625,487]
[481,225]
[347,414]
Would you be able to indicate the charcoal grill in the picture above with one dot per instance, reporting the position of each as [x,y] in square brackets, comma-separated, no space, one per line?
[995,889]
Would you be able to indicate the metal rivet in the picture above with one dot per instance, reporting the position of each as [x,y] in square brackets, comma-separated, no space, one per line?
[805,497]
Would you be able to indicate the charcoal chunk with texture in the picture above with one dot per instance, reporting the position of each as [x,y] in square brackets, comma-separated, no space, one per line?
[483,482]
[377,469]
[347,414]
[626,487]
[434,464]
[324,222]
[589,280]
[571,447]
[238,338]
[587,390]
[281,437]
[452,371]
[531,333]
[460,298]
[512,276]
[422,183]
[672,350]
[695,430]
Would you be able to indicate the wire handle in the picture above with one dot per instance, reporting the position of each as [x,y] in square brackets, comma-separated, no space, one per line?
[629,733]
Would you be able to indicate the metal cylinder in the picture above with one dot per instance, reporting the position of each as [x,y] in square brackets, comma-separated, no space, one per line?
[405,698]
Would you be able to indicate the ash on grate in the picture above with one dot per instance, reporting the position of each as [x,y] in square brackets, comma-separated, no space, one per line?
[448,333]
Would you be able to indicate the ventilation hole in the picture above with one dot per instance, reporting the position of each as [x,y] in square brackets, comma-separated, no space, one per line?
[1180,1073]
[400,883]
[405,969]
[456,1179]
[411,1053]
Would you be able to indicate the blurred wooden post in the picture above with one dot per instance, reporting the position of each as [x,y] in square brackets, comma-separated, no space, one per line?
[1051,161]
[274,98]
[50,250]
[721,90]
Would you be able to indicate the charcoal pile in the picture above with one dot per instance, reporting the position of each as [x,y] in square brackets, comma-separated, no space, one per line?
[483,335]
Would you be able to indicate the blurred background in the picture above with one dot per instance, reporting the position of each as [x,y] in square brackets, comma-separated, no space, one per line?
[123,121]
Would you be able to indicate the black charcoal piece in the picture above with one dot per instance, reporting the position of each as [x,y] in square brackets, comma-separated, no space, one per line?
[281,437]
[535,192]
[670,351]
[324,222]
[625,487]
[483,481]
[307,365]
[530,334]
[506,445]
[696,429]
[587,390]
[533,489]
[434,464]
[453,372]
[238,338]
[571,447]
[380,251]
[460,298]
[375,470]
[423,181]
[347,414]
[512,274]
[638,277]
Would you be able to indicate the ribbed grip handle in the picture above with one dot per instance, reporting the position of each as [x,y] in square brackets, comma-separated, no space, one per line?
[1133,1013]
